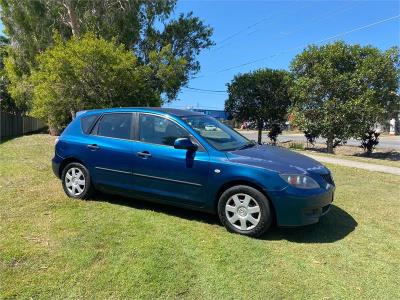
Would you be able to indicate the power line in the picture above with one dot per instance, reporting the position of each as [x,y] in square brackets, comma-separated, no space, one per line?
[238,33]
[314,20]
[243,30]
[204,90]
[314,42]
[359,28]
[202,93]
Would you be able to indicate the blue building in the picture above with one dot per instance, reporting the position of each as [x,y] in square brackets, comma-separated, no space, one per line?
[218,114]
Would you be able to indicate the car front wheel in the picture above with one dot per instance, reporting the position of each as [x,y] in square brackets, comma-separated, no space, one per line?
[76,181]
[245,210]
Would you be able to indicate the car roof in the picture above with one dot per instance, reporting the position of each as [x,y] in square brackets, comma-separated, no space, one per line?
[170,111]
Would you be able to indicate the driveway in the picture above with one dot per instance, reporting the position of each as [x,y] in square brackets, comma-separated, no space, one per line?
[385,142]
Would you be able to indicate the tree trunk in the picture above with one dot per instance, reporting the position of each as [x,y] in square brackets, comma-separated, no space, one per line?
[329,145]
[73,21]
[54,131]
[73,114]
[260,128]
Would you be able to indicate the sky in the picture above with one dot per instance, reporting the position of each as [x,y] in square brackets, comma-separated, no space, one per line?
[268,34]
[273,32]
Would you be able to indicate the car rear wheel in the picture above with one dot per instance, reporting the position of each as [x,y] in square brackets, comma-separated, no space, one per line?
[76,181]
[245,210]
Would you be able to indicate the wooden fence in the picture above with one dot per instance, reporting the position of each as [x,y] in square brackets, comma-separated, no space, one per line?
[14,125]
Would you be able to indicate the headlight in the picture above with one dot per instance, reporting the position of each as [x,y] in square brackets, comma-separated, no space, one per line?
[300,181]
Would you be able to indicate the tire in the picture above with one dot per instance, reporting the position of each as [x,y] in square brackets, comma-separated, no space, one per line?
[76,181]
[245,210]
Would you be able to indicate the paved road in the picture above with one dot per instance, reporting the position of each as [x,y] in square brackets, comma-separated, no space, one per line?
[386,142]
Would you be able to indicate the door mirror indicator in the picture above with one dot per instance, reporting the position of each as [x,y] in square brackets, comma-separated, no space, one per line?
[185,143]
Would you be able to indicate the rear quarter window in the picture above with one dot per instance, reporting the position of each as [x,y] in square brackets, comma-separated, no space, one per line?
[87,123]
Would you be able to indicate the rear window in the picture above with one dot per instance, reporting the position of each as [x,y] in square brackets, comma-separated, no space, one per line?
[87,123]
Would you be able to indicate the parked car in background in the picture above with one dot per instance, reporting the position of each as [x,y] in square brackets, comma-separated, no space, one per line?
[210,127]
[168,156]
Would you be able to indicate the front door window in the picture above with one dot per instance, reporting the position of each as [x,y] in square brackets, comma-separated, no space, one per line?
[159,130]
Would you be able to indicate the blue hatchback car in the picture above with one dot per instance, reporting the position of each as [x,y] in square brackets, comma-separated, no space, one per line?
[191,160]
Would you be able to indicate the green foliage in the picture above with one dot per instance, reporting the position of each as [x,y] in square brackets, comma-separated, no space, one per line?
[19,84]
[341,90]
[260,96]
[6,104]
[31,23]
[88,73]
[144,27]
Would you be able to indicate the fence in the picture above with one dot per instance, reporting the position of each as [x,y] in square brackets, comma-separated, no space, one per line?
[13,125]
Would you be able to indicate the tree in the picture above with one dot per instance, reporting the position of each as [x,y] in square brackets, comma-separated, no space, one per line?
[341,90]
[145,27]
[6,102]
[85,73]
[260,96]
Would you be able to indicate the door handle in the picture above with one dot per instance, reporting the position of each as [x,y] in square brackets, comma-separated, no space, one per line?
[93,147]
[144,154]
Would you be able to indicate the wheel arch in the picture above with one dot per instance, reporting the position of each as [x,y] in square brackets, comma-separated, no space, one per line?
[67,161]
[249,183]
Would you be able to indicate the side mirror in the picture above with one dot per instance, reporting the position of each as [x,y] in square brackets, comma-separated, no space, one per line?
[185,143]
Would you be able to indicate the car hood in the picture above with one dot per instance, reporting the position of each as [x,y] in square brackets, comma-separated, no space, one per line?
[276,159]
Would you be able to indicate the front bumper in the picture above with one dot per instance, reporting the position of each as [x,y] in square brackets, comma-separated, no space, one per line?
[297,208]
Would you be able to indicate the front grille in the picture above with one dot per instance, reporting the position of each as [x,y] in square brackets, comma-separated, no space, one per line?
[328,178]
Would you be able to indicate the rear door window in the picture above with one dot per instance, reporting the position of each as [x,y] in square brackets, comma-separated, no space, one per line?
[115,125]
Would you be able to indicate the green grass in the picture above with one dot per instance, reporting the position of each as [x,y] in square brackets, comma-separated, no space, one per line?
[52,247]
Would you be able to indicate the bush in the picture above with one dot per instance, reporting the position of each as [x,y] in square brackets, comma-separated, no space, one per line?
[369,141]
[311,137]
[274,132]
[88,73]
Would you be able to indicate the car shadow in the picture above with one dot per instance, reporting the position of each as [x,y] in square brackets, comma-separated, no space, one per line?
[334,226]
[390,155]
[191,215]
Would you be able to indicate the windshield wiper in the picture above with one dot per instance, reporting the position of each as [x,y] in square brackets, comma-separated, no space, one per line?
[249,144]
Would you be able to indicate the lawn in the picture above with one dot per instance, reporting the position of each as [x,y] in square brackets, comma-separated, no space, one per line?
[52,247]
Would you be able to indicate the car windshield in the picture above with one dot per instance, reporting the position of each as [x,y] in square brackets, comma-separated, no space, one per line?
[220,136]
